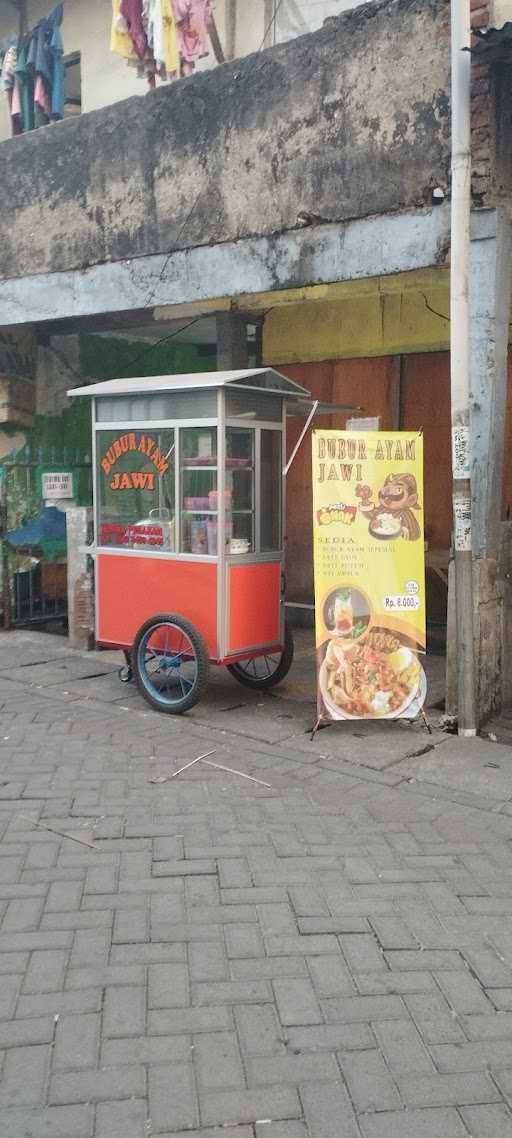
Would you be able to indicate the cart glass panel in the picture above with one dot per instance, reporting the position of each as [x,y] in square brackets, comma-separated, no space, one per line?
[156,405]
[242,404]
[198,460]
[135,500]
[240,490]
[270,490]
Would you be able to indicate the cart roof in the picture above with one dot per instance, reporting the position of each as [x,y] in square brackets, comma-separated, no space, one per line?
[263,379]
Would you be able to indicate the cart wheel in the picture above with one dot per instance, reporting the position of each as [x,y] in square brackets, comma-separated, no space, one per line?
[170,662]
[265,671]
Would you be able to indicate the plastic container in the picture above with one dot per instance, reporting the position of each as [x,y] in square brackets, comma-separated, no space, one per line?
[198,537]
[196,503]
[211,533]
[239,545]
[213,499]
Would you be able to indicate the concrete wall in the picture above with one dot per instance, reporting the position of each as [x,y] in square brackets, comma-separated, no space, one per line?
[315,128]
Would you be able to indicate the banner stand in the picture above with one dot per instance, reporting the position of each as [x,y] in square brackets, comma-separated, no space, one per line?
[425,720]
[369,562]
[322,723]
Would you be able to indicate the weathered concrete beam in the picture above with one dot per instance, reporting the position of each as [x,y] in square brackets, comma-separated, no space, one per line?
[320,254]
[350,121]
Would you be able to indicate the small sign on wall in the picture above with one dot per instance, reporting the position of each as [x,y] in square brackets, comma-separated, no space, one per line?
[356,424]
[57,485]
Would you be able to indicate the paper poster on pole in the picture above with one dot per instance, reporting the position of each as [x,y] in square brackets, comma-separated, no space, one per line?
[369,561]
[462,527]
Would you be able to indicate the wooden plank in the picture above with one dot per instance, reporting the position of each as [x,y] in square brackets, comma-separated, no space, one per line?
[231,21]
[215,40]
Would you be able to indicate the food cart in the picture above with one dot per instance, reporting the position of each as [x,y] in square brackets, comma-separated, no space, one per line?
[189,501]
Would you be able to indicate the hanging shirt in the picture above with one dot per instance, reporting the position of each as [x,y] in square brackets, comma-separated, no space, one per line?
[120,40]
[58,73]
[11,89]
[152,20]
[132,12]
[42,106]
[25,87]
[40,54]
[170,48]
[192,18]
[17,124]
[32,51]
[9,68]
[162,35]
[41,96]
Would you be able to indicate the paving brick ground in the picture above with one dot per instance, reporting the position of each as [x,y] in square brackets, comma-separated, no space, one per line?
[329,957]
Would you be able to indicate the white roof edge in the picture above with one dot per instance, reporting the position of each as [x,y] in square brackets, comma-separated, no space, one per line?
[146,385]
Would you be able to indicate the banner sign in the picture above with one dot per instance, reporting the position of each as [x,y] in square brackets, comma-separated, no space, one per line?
[369,560]
[58,485]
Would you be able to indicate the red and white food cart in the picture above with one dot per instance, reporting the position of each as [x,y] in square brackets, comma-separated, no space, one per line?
[188,501]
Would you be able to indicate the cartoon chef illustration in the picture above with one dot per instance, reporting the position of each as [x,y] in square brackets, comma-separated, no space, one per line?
[394,515]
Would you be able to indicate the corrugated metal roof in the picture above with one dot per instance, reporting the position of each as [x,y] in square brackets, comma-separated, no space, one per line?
[494,44]
[265,379]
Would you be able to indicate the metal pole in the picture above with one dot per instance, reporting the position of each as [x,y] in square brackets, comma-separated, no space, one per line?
[302,435]
[459,360]
[6,583]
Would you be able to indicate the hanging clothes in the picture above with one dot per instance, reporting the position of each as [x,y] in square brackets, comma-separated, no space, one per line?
[8,68]
[170,57]
[25,87]
[9,86]
[39,53]
[158,33]
[42,108]
[152,21]
[57,63]
[149,65]
[132,12]
[144,33]
[162,37]
[192,18]
[120,40]
[17,122]
[33,75]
